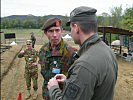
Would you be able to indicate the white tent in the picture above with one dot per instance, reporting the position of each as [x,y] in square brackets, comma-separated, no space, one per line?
[67,37]
[13,43]
[116,42]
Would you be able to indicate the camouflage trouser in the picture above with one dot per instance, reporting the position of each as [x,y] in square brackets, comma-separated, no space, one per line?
[45,93]
[34,76]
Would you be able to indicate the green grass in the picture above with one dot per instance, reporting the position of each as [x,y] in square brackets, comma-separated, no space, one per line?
[113,36]
[22,31]
[25,33]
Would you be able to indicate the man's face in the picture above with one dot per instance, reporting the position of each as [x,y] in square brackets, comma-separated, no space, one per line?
[54,35]
[74,34]
[29,46]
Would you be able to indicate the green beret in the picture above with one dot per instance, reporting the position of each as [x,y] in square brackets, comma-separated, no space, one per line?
[82,14]
[50,23]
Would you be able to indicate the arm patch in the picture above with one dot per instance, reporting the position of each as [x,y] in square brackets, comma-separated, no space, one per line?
[72,91]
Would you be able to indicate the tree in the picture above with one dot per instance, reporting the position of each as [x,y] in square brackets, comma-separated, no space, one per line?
[128,18]
[104,19]
[116,16]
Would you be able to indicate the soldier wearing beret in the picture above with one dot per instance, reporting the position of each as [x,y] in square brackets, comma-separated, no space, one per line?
[93,75]
[31,69]
[55,56]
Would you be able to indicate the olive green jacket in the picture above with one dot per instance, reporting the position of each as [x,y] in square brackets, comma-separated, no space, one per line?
[92,76]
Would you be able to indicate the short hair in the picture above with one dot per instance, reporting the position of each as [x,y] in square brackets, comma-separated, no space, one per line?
[87,27]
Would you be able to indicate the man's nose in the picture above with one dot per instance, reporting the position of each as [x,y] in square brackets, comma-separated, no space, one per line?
[54,33]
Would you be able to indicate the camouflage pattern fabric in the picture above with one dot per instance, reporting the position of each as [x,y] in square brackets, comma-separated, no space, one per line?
[31,71]
[63,56]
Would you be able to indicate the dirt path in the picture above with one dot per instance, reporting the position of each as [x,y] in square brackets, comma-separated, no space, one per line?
[14,81]
[124,85]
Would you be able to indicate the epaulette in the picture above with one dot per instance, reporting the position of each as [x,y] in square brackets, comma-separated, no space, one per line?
[71,49]
[44,47]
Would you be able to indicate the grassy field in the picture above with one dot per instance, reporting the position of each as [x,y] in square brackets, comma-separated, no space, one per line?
[22,31]
[22,34]
[39,31]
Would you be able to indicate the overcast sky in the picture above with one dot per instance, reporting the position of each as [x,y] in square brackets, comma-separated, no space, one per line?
[57,7]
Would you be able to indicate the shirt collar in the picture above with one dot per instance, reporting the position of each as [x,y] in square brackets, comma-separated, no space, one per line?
[87,43]
[59,48]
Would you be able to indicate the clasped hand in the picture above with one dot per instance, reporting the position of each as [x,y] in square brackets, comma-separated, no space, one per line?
[56,80]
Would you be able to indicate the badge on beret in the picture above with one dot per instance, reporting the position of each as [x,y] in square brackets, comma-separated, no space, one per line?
[72,91]
[57,23]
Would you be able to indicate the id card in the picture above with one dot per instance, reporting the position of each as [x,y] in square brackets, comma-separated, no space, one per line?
[30,59]
[55,70]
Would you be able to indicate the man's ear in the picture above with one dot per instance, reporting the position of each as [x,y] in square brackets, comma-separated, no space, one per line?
[77,28]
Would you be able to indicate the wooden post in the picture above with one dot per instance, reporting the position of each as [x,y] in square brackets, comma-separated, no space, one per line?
[104,34]
[120,49]
[110,39]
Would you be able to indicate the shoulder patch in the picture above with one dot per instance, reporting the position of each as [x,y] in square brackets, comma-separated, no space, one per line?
[72,91]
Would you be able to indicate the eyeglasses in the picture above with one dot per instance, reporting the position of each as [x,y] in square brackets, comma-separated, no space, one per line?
[52,30]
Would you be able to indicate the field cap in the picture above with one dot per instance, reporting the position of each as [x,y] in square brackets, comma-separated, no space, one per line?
[28,42]
[50,23]
[82,14]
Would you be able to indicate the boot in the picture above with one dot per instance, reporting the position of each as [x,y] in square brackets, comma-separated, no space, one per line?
[27,94]
[34,95]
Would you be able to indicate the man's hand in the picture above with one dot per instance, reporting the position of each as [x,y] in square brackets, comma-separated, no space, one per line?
[22,51]
[35,63]
[60,78]
[52,82]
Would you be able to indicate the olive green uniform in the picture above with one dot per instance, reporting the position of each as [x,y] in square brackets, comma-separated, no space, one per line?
[33,40]
[92,76]
[31,71]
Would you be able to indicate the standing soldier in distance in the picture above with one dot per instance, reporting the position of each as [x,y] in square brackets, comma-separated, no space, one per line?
[93,75]
[55,56]
[31,69]
[33,39]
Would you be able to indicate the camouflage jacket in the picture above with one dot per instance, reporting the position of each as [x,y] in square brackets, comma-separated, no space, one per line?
[61,59]
[30,57]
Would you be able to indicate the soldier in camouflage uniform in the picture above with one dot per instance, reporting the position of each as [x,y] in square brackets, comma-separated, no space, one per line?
[55,56]
[33,39]
[31,69]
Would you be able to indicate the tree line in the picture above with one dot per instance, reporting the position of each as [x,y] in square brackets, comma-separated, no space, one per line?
[117,18]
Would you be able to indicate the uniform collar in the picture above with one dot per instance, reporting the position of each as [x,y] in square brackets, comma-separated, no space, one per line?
[59,49]
[87,43]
